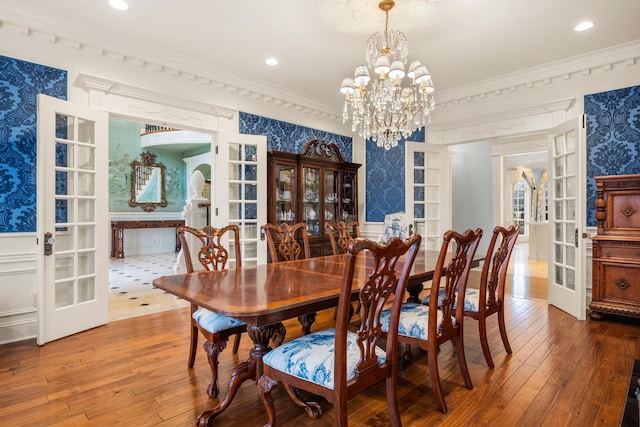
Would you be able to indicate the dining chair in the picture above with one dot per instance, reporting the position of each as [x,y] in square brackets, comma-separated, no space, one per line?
[338,363]
[490,288]
[429,327]
[216,328]
[284,245]
[488,299]
[341,234]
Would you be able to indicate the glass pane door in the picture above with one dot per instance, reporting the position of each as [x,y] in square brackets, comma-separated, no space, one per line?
[286,194]
[311,200]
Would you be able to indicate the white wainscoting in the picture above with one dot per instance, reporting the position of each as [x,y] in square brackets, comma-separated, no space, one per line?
[18,287]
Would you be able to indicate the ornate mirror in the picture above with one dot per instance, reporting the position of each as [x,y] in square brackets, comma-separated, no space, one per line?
[147,183]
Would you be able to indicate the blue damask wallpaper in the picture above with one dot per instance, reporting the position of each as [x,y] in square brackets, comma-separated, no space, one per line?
[289,137]
[613,138]
[385,178]
[20,83]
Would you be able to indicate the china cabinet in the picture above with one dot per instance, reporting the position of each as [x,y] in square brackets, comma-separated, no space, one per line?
[616,247]
[314,186]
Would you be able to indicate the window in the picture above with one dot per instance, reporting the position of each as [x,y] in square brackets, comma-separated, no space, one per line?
[521,205]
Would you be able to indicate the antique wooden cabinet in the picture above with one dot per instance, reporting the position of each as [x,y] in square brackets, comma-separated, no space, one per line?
[314,186]
[616,247]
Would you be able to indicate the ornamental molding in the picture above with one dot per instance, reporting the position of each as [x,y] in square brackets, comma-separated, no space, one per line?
[39,31]
[27,24]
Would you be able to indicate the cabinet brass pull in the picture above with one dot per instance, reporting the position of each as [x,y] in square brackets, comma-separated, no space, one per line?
[622,284]
[608,254]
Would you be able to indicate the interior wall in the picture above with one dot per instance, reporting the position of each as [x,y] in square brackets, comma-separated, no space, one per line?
[472,189]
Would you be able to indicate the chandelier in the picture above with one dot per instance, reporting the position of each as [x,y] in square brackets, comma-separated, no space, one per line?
[388,110]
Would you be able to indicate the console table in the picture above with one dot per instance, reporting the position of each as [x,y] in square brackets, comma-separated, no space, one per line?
[118,227]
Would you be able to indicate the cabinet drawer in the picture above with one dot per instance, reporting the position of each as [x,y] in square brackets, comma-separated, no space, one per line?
[618,250]
[620,281]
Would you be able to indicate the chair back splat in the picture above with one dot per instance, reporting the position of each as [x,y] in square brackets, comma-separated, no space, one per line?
[216,328]
[341,234]
[339,363]
[213,256]
[283,243]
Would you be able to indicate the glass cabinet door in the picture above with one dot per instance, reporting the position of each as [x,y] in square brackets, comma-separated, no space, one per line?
[286,194]
[348,213]
[311,200]
[331,196]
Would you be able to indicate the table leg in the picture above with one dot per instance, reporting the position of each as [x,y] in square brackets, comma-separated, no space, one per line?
[249,370]
[414,290]
[119,243]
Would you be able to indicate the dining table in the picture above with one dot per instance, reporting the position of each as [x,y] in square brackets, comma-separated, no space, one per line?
[265,295]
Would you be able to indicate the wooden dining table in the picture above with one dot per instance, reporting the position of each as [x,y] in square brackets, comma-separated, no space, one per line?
[264,295]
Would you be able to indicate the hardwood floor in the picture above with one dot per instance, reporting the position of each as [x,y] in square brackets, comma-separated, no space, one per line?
[133,372]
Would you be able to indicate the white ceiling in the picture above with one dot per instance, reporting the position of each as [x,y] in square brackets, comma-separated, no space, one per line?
[319,42]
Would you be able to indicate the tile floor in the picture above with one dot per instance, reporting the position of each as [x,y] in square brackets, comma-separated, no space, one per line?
[131,292]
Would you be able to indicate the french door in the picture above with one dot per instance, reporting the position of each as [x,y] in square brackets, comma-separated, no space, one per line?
[239,193]
[72,227]
[427,169]
[567,217]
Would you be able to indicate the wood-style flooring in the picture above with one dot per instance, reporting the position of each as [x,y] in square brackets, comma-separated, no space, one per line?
[133,372]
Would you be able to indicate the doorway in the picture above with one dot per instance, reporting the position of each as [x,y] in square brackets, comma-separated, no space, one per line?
[150,252]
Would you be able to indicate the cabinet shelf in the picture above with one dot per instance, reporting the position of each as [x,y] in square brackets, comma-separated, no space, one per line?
[320,186]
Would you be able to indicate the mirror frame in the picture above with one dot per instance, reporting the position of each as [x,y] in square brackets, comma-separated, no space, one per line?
[148,160]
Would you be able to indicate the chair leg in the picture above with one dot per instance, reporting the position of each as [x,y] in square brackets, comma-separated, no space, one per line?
[462,361]
[312,408]
[194,345]
[432,356]
[392,402]
[213,350]
[503,330]
[482,331]
[265,384]
[236,342]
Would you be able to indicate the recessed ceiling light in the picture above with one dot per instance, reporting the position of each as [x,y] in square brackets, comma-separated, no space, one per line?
[584,26]
[119,4]
[271,61]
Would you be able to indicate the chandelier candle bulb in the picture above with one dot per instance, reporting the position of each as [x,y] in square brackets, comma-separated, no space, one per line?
[388,110]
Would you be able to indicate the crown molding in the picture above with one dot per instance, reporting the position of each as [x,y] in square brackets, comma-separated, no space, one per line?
[28,23]
[576,68]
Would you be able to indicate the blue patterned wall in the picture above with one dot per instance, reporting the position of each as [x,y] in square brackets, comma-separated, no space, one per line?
[385,178]
[283,136]
[20,83]
[613,138]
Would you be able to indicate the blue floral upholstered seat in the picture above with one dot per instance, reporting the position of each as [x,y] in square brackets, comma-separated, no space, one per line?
[413,321]
[214,322]
[471,299]
[311,357]
[419,326]
[338,363]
